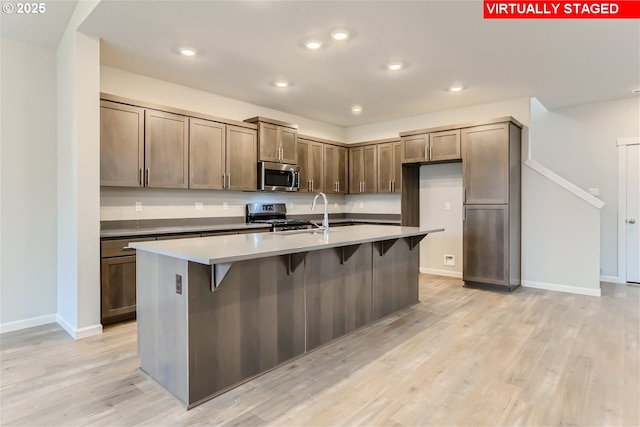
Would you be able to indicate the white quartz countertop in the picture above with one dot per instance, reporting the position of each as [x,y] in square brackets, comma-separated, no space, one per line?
[238,247]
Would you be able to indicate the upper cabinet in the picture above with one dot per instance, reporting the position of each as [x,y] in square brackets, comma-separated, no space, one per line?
[336,169]
[166,150]
[222,157]
[147,145]
[422,146]
[142,147]
[390,167]
[277,141]
[363,165]
[488,156]
[121,145]
[310,159]
[241,159]
[207,153]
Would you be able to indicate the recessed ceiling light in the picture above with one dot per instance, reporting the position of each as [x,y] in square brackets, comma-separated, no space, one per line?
[188,51]
[636,91]
[340,35]
[281,83]
[356,109]
[456,88]
[313,44]
[394,66]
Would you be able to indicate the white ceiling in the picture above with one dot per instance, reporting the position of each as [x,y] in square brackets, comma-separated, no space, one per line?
[246,45]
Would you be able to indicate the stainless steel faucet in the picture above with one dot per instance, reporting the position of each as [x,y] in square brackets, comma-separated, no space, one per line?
[325,221]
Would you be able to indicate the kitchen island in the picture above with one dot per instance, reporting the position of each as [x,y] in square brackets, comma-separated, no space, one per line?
[217,311]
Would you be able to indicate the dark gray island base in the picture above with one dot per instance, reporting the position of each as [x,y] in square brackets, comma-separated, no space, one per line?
[213,317]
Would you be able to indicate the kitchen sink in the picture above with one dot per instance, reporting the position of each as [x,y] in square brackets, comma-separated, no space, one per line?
[307,231]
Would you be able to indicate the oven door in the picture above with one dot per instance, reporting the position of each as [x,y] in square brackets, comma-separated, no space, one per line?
[278,177]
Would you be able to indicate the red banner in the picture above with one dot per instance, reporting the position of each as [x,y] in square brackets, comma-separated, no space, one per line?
[629,9]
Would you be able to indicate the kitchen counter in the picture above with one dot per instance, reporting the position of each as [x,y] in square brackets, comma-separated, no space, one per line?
[231,248]
[217,311]
[147,231]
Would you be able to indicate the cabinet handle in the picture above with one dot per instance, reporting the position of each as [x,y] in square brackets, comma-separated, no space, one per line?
[148,176]
[429,152]
[426,152]
[390,187]
[140,178]
[224,181]
[393,186]
[464,195]
[228,180]
[127,248]
[308,185]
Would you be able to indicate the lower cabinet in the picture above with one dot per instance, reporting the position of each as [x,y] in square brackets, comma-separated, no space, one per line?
[489,256]
[118,288]
[118,273]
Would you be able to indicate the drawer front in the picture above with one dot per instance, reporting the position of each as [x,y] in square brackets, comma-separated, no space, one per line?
[118,247]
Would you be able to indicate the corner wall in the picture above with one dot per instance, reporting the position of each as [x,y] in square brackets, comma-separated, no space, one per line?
[78,179]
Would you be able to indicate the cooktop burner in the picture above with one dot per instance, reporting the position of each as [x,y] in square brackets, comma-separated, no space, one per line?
[274,214]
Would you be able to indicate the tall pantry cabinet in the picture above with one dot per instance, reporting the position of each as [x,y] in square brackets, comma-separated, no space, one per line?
[491,158]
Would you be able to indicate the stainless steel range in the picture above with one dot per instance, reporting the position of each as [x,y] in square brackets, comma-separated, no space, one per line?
[274,214]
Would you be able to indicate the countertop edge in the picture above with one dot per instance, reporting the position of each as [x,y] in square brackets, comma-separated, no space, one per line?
[303,247]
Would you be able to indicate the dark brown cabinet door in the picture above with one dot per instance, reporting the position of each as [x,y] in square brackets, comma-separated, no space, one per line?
[242,162]
[288,139]
[444,145]
[486,164]
[207,141]
[121,145]
[370,155]
[269,144]
[118,288]
[310,159]
[486,244]
[336,169]
[385,168]
[166,150]
[414,148]
[356,170]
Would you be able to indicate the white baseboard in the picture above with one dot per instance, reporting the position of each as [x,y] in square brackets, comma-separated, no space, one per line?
[611,279]
[445,273]
[27,323]
[561,288]
[78,334]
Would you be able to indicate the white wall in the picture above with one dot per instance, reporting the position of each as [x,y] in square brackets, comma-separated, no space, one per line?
[78,179]
[28,186]
[518,108]
[119,204]
[439,185]
[142,88]
[579,143]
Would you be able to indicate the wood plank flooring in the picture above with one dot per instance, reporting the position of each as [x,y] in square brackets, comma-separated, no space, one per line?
[460,357]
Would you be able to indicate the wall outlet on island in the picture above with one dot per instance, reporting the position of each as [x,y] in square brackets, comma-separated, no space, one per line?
[449,260]
[138,206]
[199,206]
[225,205]
[361,205]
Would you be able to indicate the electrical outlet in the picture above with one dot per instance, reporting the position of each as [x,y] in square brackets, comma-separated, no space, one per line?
[138,206]
[335,205]
[199,206]
[225,205]
[449,260]
[178,284]
[361,205]
[447,205]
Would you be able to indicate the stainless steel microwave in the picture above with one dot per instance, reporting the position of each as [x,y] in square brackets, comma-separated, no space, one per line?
[278,176]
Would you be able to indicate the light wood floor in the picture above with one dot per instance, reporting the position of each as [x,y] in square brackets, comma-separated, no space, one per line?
[460,357]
